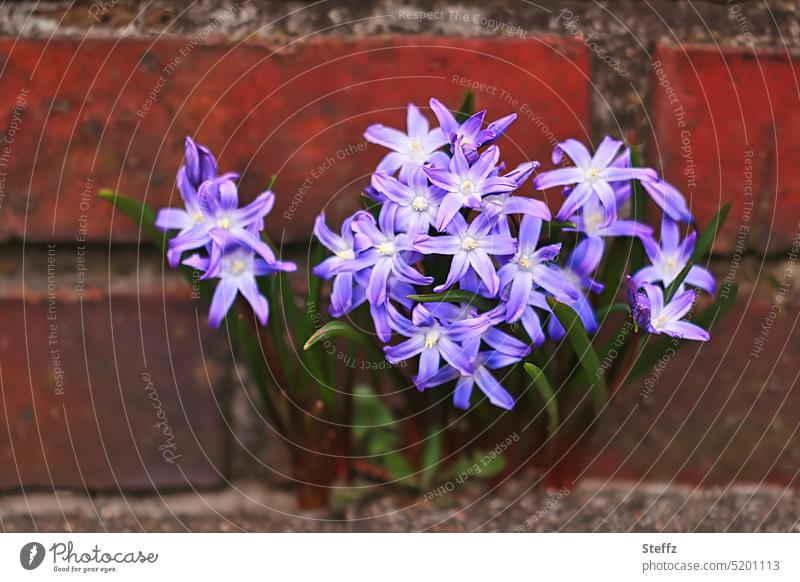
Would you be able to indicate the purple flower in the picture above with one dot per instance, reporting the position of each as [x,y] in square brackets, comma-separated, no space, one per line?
[506,204]
[465,184]
[236,267]
[479,375]
[669,259]
[198,167]
[638,302]
[669,199]
[651,313]
[225,223]
[471,134]
[448,313]
[342,248]
[531,268]
[409,150]
[417,201]
[471,246]
[592,176]
[581,264]
[383,252]
[591,222]
[432,341]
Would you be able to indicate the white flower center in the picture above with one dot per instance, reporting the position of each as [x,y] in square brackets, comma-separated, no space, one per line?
[237,266]
[419,204]
[671,266]
[198,217]
[467,188]
[224,223]
[431,338]
[659,321]
[416,151]
[593,221]
[469,243]
[346,254]
[592,174]
[386,248]
[525,262]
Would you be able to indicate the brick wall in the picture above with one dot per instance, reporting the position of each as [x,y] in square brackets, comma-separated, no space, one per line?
[99,340]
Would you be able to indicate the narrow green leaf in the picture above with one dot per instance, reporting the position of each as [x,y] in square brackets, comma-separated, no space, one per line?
[338,328]
[546,393]
[140,214]
[587,358]
[613,270]
[639,209]
[672,288]
[706,238]
[467,108]
[455,296]
[613,308]
[432,457]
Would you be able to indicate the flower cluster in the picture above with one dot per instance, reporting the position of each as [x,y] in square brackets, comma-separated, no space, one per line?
[227,237]
[448,216]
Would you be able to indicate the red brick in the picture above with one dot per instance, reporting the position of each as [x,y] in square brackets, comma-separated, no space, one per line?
[714,414]
[264,112]
[99,431]
[734,101]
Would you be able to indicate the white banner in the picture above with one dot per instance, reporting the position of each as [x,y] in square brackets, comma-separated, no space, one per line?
[400,557]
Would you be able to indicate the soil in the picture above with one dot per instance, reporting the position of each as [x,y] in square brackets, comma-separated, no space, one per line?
[253,506]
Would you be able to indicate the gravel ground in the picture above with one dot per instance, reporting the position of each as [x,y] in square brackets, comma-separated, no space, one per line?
[252,506]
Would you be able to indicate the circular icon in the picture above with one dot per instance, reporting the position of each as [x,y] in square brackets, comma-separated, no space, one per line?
[31,555]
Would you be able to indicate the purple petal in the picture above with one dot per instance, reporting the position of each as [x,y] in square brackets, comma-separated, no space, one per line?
[496,394]
[416,123]
[405,350]
[446,119]
[605,153]
[448,209]
[173,219]
[463,392]
[387,137]
[577,198]
[612,174]
[518,294]
[528,206]
[221,302]
[700,277]
[576,151]
[428,365]
[376,289]
[483,266]
[249,288]
[686,330]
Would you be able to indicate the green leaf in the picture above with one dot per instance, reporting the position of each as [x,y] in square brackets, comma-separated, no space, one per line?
[546,393]
[613,308]
[672,288]
[337,328]
[706,238]
[432,457]
[707,319]
[587,358]
[613,270]
[140,214]
[467,108]
[455,296]
[489,465]
[638,202]
[370,413]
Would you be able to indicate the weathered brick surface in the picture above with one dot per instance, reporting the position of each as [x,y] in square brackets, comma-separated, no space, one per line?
[727,122]
[85,384]
[114,114]
[715,413]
